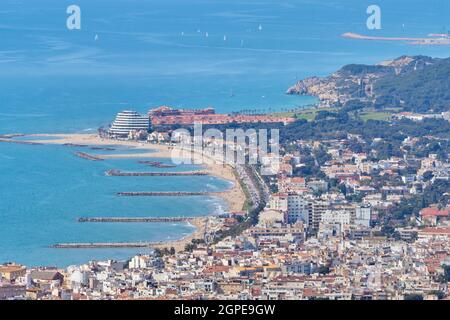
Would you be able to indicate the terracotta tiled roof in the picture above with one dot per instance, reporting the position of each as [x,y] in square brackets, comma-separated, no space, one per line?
[436,230]
[427,212]
[214,269]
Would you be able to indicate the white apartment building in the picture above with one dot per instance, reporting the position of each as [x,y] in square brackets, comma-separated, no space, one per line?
[343,217]
[298,208]
[127,122]
[279,202]
[348,215]
[295,206]
[363,215]
[139,262]
[315,211]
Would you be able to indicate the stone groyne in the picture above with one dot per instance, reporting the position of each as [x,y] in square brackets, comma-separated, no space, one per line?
[137,219]
[105,245]
[119,173]
[162,194]
[87,156]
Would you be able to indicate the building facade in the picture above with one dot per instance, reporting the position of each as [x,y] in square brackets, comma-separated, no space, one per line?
[128,122]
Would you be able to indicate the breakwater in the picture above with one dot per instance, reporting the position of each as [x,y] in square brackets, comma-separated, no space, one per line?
[119,173]
[75,145]
[125,219]
[103,148]
[156,164]
[11,135]
[8,140]
[88,156]
[105,245]
[162,194]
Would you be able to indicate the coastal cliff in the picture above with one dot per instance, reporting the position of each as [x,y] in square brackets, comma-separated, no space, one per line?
[394,83]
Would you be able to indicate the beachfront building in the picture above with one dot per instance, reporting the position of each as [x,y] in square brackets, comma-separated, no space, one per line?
[128,123]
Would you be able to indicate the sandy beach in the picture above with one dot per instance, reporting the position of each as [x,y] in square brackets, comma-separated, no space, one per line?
[234,197]
[179,245]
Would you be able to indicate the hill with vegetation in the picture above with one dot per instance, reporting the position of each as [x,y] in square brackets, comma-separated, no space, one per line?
[411,83]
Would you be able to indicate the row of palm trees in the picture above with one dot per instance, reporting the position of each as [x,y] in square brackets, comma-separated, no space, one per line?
[269,110]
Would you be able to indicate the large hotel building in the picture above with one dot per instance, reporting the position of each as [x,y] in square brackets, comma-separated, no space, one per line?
[127,122]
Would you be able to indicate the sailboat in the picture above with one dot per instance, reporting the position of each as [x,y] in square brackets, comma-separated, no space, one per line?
[260,27]
[96,37]
[206,35]
[225,38]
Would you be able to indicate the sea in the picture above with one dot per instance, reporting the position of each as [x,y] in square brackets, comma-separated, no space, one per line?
[232,55]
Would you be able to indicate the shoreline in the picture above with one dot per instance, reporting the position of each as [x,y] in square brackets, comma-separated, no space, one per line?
[199,223]
[233,197]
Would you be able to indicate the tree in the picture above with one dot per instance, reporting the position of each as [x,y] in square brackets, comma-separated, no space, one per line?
[439,294]
[323,270]
[447,272]
[413,297]
[427,176]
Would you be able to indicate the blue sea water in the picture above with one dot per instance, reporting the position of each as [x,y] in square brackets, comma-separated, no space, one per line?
[49,188]
[151,53]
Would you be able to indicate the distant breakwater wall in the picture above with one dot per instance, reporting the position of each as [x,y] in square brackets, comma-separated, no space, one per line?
[75,145]
[19,141]
[87,156]
[119,173]
[105,245]
[156,164]
[97,148]
[163,194]
[130,219]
